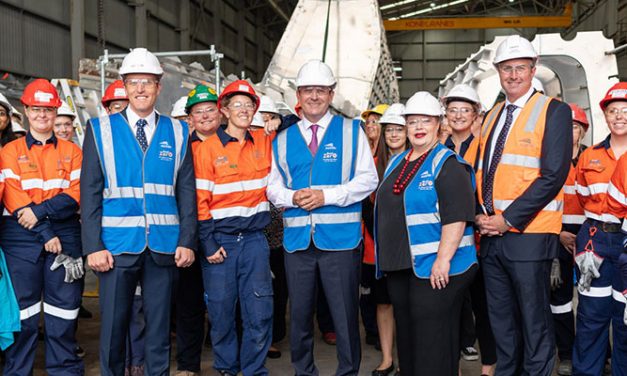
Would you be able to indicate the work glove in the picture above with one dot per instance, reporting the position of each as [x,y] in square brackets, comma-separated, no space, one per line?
[556,274]
[589,264]
[625,313]
[74,269]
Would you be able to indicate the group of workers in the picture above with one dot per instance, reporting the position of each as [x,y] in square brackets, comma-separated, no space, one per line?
[233,209]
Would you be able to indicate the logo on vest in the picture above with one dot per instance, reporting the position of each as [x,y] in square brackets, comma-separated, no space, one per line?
[221,160]
[425,185]
[425,174]
[165,145]
[329,157]
[525,142]
[330,146]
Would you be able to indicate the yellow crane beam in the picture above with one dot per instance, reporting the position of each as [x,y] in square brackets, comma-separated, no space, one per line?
[480,22]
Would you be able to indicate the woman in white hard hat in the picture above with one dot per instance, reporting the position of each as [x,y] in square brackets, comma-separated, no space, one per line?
[425,246]
[6,130]
[462,105]
[64,122]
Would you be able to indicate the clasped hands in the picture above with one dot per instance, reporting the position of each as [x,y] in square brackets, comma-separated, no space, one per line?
[27,219]
[492,225]
[308,199]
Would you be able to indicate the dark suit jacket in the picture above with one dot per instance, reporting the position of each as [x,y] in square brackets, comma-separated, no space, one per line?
[555,160]
[92,185]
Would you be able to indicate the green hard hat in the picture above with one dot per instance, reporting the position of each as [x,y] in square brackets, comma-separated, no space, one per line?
[201,93]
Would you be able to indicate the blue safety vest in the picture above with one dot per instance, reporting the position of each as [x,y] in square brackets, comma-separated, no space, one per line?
[331,227]
[139,207]
[422,216]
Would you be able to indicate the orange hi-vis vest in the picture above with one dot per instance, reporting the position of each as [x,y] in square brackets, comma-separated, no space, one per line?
[519,166]
[617,192]
[594,171]
[573,212]
[471,153]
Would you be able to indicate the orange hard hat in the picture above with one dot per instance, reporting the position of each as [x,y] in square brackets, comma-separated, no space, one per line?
[115,91]
[618,92]
[239,87]
[579,115]
[40,92]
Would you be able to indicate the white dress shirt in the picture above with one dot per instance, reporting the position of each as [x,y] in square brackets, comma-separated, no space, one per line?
[519,103]
[149,128]
[364,181]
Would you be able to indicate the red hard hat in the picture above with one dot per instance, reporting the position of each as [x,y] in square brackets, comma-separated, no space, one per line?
[40,92]
[239,87]
[115,91]
[618,92]
[579,115]
[298,108]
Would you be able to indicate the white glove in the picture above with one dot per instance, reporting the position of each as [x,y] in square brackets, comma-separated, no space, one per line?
[625,313]
[74,269]
[556,274]
[589,264]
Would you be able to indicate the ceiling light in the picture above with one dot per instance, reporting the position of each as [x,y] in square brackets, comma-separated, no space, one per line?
[430,9]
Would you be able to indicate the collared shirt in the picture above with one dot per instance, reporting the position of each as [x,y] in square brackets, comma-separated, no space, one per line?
[149,129]
[463,147]
[30,140]
[365,179]
[225,138]
[519,103]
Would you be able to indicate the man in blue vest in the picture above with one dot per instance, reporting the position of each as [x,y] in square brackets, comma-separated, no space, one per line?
[321,170]
[139,221]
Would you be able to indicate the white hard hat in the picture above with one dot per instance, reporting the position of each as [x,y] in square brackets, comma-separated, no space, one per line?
[463,92]
[66,110]
[423,103]
[17,128]
[267,105]
[5,103]
[315,73]
[537,84]
[140,60]
[514,47]
[178,109]
[257,120]
[15,112]
[393,115]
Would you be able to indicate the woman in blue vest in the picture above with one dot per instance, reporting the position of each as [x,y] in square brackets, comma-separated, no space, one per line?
[424,241]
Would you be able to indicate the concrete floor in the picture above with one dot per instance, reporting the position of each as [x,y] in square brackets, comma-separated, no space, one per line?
[325,355]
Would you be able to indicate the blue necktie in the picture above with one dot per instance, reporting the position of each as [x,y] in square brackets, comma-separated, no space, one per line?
[140,134]
[488,199]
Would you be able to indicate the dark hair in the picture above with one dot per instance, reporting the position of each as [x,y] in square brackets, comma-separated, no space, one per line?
[383,153]
[7,135]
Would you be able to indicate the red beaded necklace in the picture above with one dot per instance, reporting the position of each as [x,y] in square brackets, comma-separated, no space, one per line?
[401,182]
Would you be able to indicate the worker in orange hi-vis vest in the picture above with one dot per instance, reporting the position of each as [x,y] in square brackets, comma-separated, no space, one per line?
[598,248]
[40,235]
[617,206]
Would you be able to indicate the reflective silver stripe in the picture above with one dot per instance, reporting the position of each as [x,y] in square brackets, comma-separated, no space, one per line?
[6,212]
[618,296]
[335,218]
[107,151]
[281,142]
[31,311]
[573,219]
[616,194]
[428,248]
[570,190]
[491,116]
[436,160]
[597,292]
[131,221]
[323,186]
[296,221]
[564,308]
[123,192]
[520,160]
[178,144]
[162,219]
[204,184]
[592,189]
[422,219]
[46,185]
[66,314]
[624,226]
[240,186]
[602,217]
[347,149]
[551,206]
[159,189]
[75,174]
[9,174]
[240,211]
[535,113]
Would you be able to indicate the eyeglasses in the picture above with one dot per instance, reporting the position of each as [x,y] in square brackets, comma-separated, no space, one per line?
[318,90]
[47,111]
[614,112]
[208,111]
[424,121]
[239,106]
[145,82]
[459,110]
[519,69]
[397,130]
[117,106]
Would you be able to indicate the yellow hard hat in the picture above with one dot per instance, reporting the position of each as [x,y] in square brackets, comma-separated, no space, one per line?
[378,109]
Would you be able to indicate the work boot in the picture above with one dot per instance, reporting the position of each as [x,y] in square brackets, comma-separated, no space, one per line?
[565,368]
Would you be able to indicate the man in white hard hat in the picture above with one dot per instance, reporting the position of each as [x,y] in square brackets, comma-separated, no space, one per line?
[321,170]
[138,225]
[524,154]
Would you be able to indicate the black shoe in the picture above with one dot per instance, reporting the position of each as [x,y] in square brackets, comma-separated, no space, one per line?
[383,372]
[274,354]
[469,353]
[225,373]
[84,313]
[80,352]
